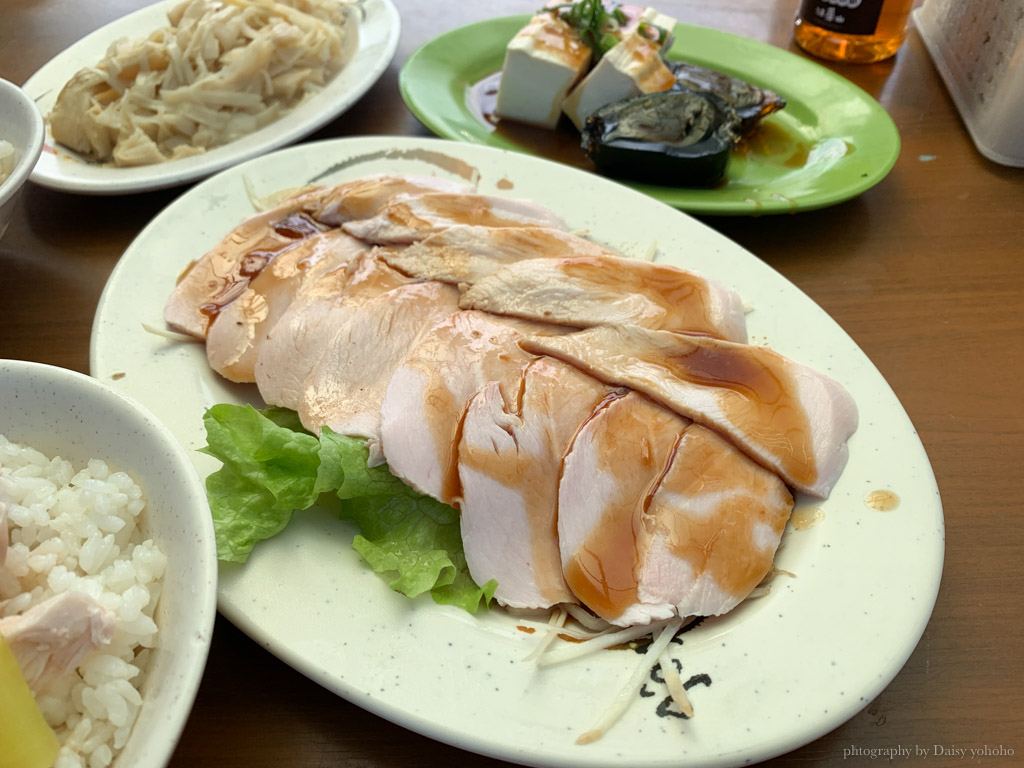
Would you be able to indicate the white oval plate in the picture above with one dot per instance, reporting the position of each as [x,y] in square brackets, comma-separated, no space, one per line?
[61,169]
[784,669]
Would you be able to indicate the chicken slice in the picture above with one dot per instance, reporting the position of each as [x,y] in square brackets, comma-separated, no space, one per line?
[465,254]
[345,389]
[659,516]
[714,523]
[234,338]
[362,198]
[790,418]
[510,461]
[414,218]
[56,635]
[609,476]
[584,291]
[292,348]
[426,398]
[220,276]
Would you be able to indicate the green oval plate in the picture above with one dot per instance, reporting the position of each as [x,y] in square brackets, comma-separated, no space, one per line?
[832,142]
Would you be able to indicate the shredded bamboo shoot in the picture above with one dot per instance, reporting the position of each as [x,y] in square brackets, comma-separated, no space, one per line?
[218,72]
[625,696]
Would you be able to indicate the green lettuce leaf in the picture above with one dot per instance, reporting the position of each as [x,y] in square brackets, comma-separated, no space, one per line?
[273,468]
[269,471]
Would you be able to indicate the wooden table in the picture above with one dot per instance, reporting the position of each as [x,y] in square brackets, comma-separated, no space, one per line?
[925,271]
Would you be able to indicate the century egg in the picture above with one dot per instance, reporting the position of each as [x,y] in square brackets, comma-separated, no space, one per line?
[750,101]
[677,138]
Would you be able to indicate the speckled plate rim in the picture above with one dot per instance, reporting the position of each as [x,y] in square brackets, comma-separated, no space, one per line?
[865,583]
[62,170]
[824,109]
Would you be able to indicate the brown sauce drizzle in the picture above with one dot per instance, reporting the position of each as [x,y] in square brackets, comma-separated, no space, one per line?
[561,144]
[686,460]
[882,500]
[451,484]
[298,226]
[766,398]
[458,208]
[555,36]
[533,474]
[682,296]
[772,143]
[224,289]
[570,638]
[722,543]
[603,571]
[806,517]
[441,404]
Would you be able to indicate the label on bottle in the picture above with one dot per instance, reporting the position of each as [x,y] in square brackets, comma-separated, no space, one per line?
[848,17]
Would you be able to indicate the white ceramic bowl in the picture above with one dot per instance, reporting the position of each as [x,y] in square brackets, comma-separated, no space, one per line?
[21,123]
[61,412]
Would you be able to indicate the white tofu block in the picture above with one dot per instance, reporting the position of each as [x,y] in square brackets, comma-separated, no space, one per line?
[543,62]
[631,68]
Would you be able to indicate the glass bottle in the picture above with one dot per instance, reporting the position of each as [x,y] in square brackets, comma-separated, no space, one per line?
[853,31]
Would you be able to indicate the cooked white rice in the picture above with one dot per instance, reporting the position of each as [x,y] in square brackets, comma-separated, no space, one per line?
[77,531]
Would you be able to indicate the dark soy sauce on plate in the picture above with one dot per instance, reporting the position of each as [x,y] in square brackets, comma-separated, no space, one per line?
[561,144]
[770,142]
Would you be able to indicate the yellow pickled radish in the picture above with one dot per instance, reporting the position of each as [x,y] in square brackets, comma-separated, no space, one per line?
[26,741]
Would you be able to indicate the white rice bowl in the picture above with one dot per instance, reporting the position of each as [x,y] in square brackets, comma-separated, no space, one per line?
[122,516]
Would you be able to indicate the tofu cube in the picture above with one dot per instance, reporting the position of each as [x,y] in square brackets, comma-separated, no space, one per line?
[543,62]
[631,68]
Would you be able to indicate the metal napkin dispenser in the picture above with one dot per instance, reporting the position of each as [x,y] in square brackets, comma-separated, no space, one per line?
[978,48]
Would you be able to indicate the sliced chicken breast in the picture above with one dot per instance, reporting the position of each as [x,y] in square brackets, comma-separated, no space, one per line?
[411,219]
[465,254]
[790,418]
[714,525]
[426,398]
[584,291]
[56,635]
[659,516]
[362,198]
[609,476]
[345,389]
[234,338]
[509,462]
[222,274]
[289,352]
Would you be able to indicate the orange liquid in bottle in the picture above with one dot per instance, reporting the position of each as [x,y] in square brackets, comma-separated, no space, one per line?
[853,31]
